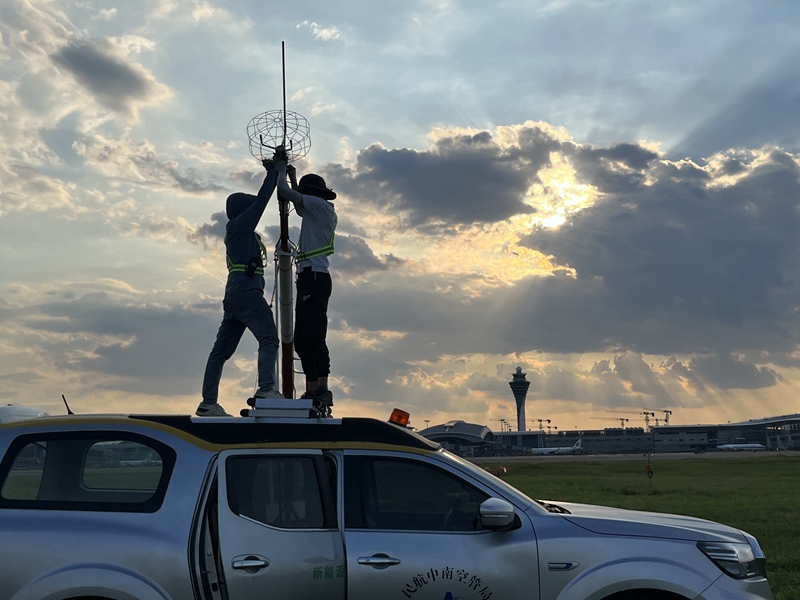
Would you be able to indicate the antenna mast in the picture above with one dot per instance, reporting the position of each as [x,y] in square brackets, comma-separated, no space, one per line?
[283,73]
[285,292]
[285,133]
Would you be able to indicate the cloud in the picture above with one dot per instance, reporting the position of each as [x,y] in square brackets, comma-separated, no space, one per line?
[24,377]
[616,169]
[353,256]
[24,188]
[326,34]
[681,264]
[125,343]
[210,234]
[462,179]
[727,372]
[196,12]
[117,84]
[137,162]
[105,14]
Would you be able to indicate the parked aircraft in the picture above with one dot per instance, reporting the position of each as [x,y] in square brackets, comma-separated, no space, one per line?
[574,449]
[750,447]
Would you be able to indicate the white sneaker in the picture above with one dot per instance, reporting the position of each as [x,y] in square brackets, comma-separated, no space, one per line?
[270,393]
[209,409]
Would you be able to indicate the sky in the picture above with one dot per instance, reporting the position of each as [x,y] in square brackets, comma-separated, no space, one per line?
[604,193]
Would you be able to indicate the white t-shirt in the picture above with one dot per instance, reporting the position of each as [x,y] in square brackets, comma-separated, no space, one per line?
[316,230]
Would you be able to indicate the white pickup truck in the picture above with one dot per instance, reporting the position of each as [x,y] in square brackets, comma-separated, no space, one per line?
[164,507]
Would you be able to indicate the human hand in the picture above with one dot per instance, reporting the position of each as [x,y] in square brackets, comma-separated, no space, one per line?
[291,170]
[268,164]
[280,154]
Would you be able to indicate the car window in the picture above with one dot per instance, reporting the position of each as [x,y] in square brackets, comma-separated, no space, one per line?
[85,472]
[280,491]
[387,493]
[122,465]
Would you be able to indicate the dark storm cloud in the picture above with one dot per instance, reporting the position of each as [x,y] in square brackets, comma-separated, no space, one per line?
[727,373]
[683,259]
[209,233]
[682,372]
[116,84]
[164,351]
[618,169]
[353,256]
[632,369]
[463,179]
[668,262]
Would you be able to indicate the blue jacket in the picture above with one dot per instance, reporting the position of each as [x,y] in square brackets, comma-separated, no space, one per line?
[241,244]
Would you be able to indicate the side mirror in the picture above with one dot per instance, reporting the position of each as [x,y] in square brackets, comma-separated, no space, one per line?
[497,514]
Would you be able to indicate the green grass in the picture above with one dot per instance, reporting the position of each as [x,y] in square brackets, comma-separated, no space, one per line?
[24,484]
[758,494]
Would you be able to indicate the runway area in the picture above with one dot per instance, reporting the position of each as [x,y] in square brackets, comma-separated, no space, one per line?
[600,458]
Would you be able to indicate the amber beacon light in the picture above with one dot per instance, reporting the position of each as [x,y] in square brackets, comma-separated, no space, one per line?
[399,417]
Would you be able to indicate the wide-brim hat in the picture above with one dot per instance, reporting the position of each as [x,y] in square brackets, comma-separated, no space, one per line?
[314,185]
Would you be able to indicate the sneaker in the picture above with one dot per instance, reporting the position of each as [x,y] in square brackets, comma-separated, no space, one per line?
[325,396]
[210,409]
[321,395]
[270,393]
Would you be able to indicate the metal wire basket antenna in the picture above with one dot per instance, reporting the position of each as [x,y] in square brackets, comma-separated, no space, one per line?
[282,129]
[266,133]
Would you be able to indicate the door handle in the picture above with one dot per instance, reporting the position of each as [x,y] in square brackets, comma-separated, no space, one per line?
[378,561]
[251,564]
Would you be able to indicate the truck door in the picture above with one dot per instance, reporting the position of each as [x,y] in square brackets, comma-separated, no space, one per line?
[278,531]
[413,532]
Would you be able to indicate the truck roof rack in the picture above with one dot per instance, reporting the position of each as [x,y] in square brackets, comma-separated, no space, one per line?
[279,430]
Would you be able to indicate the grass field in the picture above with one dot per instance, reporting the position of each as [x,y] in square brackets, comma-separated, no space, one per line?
[759,494]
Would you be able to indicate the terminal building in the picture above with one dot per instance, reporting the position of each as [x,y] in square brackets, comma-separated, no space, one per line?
[473,439]
[465,439]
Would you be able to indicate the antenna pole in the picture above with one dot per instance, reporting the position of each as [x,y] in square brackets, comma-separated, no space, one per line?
[283,73]
[285,283]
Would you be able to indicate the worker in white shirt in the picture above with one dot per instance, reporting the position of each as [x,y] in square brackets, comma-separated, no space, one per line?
[312,200]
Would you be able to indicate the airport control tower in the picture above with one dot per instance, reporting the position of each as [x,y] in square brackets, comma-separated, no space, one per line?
[519,386]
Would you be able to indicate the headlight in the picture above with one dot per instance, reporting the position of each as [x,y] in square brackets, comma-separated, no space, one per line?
[740,561]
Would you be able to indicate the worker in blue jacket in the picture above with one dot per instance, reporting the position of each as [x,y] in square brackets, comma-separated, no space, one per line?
[244,304]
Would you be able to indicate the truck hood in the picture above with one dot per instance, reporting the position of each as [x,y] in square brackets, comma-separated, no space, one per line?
[616,521]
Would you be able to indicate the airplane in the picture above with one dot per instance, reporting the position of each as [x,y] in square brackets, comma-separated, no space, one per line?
[144,462]
[750,447]
[574,449]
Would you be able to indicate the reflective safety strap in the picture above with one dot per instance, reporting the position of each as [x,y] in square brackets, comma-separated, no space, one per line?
[323,251]
[233,267]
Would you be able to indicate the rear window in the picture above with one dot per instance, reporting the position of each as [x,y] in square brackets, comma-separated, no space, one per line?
[94,471]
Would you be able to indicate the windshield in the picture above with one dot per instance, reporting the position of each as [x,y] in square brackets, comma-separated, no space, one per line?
[510,492]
